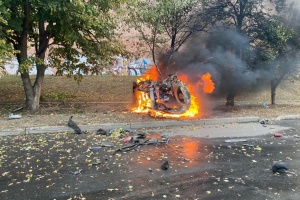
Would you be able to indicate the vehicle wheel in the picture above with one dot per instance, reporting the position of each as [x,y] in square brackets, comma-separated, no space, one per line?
[182,94]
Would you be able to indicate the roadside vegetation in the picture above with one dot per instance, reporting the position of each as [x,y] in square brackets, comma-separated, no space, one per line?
[113,89]
[238,42]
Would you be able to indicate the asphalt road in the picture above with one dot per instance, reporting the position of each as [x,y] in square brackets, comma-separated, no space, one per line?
[230,161]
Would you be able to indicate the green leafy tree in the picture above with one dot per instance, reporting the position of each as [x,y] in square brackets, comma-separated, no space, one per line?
[6,50]
[165,21]
[279,48]
[62,29]
[246,18]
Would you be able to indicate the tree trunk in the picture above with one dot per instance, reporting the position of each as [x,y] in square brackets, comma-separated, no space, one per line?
[273,90]
[33,93]
[230,99]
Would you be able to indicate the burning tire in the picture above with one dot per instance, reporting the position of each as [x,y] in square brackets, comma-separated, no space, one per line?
[182,94]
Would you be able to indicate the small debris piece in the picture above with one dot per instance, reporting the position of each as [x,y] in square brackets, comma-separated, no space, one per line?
[282,167]
[278,135]
[127,139]
[279,167]
[74,126]
[17,109]
[118,132]
[96,163]
[101,131]
[165,165]
[264,121]
[236,140]
[248,145]
[257,148]
[76,172]
[152,141]
[97,148]
[107,144]
[13,116]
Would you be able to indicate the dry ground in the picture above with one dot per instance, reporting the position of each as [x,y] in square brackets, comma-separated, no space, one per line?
[107,99]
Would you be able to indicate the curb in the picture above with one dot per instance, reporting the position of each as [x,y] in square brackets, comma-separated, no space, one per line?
[288,117]
[139,125]
[133,125]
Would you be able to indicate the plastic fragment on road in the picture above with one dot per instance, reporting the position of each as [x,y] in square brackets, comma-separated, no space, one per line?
[165,165]
[13,116]
[76,172]
[278,135]
[236,140]
[248,145]
[97,148]
[107,144]
[257,148]
[127,139]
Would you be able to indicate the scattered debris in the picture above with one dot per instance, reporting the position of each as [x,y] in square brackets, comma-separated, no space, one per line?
[139,139]
[76,172]
[74,126]
[165,165]
[127,148]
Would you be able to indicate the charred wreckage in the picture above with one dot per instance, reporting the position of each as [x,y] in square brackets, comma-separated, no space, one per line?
[170,95]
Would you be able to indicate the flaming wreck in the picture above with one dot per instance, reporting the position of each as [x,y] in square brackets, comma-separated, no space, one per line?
[172,97]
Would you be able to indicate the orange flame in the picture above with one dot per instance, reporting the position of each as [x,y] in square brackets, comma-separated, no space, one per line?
[208,84]
[144,101]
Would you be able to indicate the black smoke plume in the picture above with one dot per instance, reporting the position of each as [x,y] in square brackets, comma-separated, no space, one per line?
[220,54]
